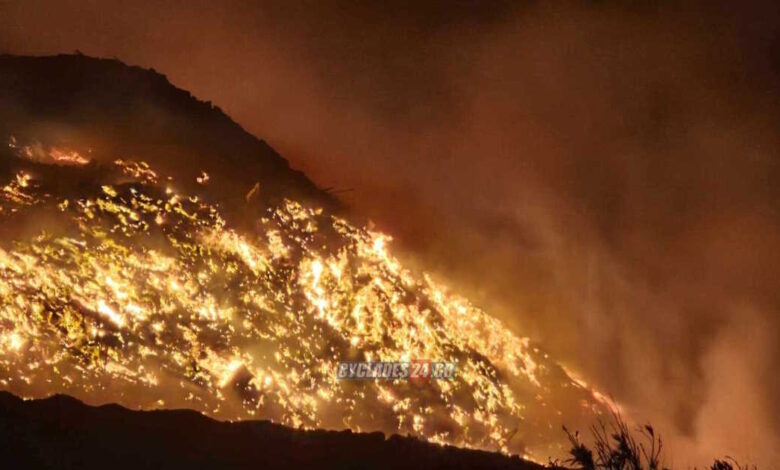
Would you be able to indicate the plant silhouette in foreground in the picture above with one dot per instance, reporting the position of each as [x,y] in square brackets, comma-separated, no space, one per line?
[616,448]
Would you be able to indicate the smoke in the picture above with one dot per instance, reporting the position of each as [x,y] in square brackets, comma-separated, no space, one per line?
[603,178]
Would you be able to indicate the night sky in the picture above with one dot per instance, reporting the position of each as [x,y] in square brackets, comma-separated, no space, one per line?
[602,178]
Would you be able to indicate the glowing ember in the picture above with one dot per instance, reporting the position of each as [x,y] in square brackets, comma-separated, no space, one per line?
[148,297]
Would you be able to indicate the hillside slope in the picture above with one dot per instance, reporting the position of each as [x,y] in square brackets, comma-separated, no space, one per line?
[106,109]
[155,255]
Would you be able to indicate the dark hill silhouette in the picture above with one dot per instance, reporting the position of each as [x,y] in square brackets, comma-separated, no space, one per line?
[116,110]
[62,432]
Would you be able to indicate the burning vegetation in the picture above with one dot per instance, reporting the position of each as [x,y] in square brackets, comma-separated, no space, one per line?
[129,291]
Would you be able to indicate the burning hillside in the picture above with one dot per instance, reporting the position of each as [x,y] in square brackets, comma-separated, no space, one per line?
[127,290]
[216,278]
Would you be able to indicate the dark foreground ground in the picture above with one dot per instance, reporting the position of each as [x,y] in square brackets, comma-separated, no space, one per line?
[61,432]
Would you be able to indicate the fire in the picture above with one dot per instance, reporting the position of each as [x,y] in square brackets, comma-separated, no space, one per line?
[67,157]
[37,152]
[147,297]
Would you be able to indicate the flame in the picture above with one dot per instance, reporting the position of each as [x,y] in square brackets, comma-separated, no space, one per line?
[151,298]
[67,157]
[52,155]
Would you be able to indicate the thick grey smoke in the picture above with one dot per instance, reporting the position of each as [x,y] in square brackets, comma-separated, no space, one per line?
[603,178]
